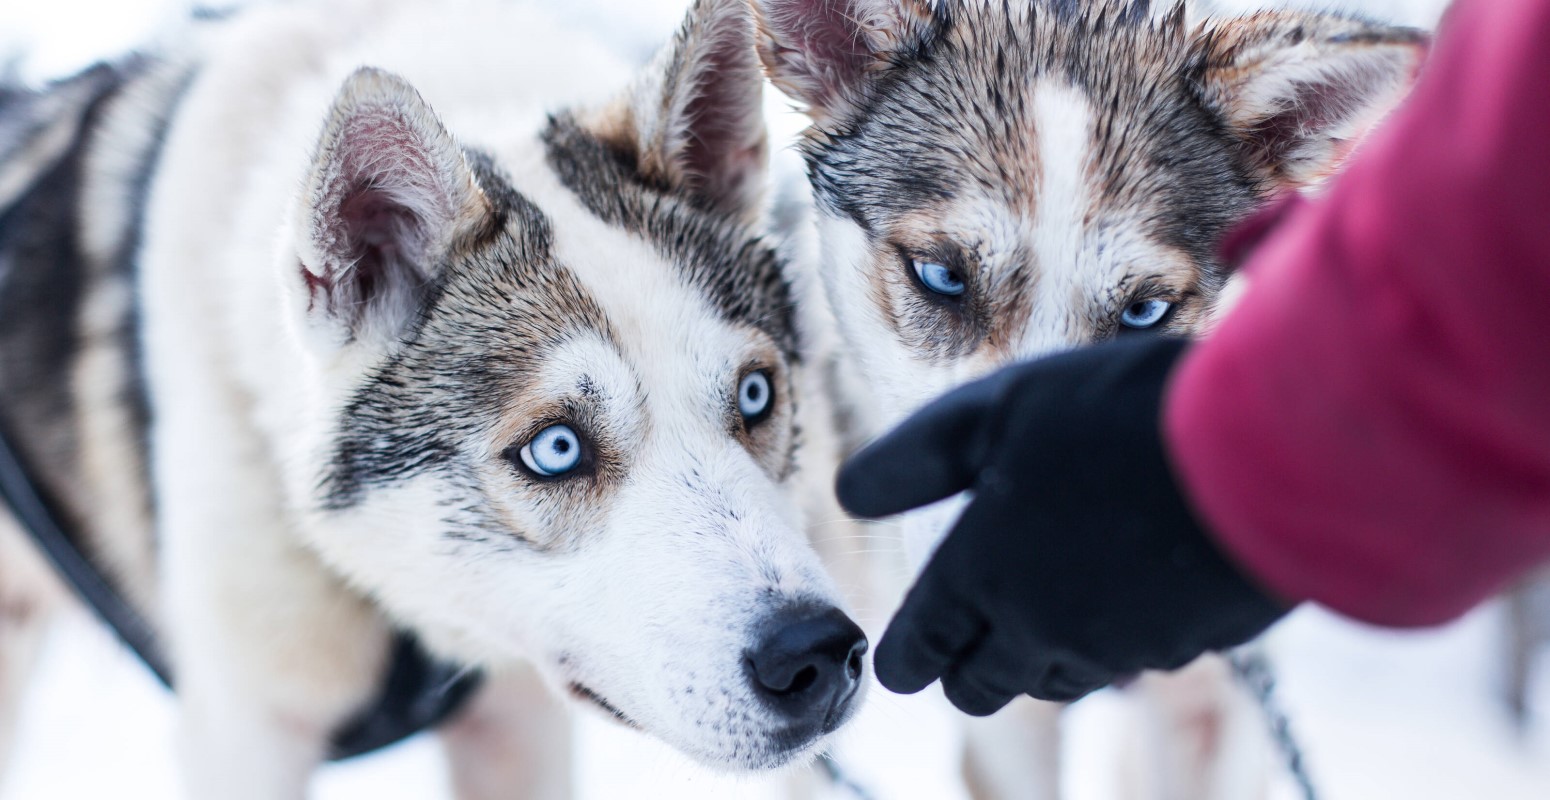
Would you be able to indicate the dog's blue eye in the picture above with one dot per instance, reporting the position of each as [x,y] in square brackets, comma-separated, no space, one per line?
[556,450]
[754,396]
[1145,314]
[940,278]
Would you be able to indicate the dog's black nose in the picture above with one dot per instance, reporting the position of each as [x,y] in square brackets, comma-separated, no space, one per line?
[807,665]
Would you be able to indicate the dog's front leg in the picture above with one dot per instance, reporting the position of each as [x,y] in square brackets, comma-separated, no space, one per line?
[29,596]
[271,652]
[1201,737]
[272,656]
[513,741]
[1015,753]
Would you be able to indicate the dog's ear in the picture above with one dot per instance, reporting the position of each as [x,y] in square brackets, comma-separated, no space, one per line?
[828,53]
[1300,89]
[693,120]
[388,198]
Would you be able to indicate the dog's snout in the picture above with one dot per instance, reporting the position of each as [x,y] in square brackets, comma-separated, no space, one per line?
[807,665]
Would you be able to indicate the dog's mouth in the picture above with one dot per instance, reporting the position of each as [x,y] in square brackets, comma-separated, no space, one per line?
[581,692]
[783,747]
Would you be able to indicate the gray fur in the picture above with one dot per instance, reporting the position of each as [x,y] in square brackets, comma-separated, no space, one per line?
[738,273]
[1192,127]
[60,255]
[955,110]
[43,273]
[479,330]
[1065,162]
[372,402]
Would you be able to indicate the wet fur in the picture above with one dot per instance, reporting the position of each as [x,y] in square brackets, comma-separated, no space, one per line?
[1066,158]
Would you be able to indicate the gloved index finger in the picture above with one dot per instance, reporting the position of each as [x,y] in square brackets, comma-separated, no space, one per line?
[928,635]
[931,456]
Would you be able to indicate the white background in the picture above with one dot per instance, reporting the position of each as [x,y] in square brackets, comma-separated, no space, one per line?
[1382,715]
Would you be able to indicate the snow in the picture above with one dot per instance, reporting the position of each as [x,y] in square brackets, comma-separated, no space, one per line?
[1412,715]
[1381,714]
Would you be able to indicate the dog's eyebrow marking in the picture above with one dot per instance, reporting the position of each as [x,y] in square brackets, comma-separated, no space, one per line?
[728,264]
[494,307]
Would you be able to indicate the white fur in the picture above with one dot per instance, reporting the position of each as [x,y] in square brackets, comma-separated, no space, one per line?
[1061,239]
[275,640]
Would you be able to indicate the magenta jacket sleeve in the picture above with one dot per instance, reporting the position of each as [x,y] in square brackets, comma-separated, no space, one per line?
[1370,427]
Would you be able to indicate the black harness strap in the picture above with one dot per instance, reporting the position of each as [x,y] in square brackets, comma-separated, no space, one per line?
[36,515]
[419,692]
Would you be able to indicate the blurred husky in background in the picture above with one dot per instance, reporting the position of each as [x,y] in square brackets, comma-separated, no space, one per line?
[357,316]
[998,181]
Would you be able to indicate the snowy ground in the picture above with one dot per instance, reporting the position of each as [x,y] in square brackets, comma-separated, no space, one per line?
[1382,715]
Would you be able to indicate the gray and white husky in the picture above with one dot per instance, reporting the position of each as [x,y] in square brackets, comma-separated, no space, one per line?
[304,360]
[998,180]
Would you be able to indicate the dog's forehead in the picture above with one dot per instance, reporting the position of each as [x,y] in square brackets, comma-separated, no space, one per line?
[580,253]
[963,118]
[720,259]
[500,303]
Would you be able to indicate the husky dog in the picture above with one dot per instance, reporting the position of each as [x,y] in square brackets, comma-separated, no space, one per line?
[521,380]
[995,181]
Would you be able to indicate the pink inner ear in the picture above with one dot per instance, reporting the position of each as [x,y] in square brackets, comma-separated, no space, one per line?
[386,234]
[830,43]
[1277,136]
[372,218]
[725,143]
[379,241]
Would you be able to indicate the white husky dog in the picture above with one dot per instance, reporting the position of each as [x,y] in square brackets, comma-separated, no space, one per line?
[995,181]
[518,375]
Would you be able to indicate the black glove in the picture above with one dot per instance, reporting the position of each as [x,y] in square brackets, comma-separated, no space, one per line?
[1077,562]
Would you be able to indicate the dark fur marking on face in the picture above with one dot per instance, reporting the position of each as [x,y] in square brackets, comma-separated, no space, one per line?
[732,267]
[952,326]
[954,115]
[959,112]
[496,306]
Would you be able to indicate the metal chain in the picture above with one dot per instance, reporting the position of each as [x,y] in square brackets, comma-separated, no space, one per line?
[840,778]
[1252,669]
